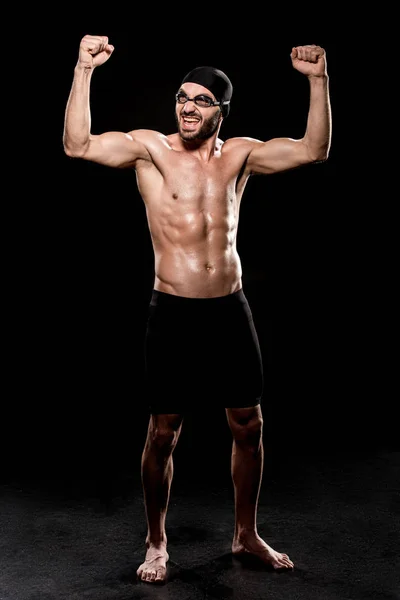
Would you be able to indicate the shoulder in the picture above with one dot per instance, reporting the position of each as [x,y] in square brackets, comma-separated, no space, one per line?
[239,148]
[240,143]
[147,135]
[155,142]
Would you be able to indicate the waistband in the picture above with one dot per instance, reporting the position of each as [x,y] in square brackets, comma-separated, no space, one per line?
[164,299]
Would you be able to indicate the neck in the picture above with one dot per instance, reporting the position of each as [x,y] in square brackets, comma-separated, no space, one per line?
[205,149]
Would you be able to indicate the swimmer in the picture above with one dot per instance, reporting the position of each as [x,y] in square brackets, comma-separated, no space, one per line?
[202,352]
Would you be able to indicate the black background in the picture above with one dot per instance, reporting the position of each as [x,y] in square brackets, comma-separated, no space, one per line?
[81,264]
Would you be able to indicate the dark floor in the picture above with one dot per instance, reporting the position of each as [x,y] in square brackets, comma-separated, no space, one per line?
[337,516]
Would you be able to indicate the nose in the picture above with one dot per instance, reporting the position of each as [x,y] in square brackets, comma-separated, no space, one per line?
[189,106]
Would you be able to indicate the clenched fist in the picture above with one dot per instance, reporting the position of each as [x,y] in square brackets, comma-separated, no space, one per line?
[309,60]
[94,50]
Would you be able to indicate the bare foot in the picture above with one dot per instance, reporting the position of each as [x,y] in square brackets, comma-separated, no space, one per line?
[250,542]
[154,568]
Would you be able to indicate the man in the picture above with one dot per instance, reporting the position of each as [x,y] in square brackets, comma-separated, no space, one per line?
[201,344]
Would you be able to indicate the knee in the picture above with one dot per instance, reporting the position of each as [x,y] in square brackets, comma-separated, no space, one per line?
[163,439]
[248,432]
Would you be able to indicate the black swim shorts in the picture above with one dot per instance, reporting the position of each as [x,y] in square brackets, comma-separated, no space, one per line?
[201,352]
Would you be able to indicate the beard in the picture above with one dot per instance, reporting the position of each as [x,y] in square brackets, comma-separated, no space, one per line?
[208,128]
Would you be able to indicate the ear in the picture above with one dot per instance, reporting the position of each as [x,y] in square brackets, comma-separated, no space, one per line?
[225,110]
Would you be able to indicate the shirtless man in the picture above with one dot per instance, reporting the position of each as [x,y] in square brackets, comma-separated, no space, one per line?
[201,344]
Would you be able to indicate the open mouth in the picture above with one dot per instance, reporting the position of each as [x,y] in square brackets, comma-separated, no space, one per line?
[190,122]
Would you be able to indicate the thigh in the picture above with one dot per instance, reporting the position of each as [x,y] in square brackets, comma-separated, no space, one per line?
[171,363]
[239,366]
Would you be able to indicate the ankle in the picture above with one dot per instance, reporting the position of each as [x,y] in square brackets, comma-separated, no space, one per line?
[241,532]
[156,541]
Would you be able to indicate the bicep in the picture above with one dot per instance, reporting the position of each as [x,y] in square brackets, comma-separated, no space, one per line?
[115,149]
[278,154]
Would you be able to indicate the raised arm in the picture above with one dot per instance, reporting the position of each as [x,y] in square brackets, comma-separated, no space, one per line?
[281,154]
[114,148]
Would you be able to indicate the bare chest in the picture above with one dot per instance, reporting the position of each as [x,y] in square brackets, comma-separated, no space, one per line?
[199,186]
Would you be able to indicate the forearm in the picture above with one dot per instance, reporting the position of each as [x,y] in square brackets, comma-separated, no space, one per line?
[319,123]
[77,121]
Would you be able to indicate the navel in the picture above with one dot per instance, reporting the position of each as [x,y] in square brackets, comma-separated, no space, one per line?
[209,267]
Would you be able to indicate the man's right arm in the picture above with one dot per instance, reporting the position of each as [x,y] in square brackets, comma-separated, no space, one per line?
[113,149]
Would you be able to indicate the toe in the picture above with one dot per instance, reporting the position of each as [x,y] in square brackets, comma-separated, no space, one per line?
[288,563]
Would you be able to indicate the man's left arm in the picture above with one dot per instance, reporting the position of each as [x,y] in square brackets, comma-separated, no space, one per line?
[281,154]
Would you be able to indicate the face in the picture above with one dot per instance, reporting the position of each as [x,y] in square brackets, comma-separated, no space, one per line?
[196,122]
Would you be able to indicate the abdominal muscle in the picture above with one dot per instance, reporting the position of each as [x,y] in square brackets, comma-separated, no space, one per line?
[195,253]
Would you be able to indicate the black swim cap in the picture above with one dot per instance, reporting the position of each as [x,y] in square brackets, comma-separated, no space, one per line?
[214,80]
